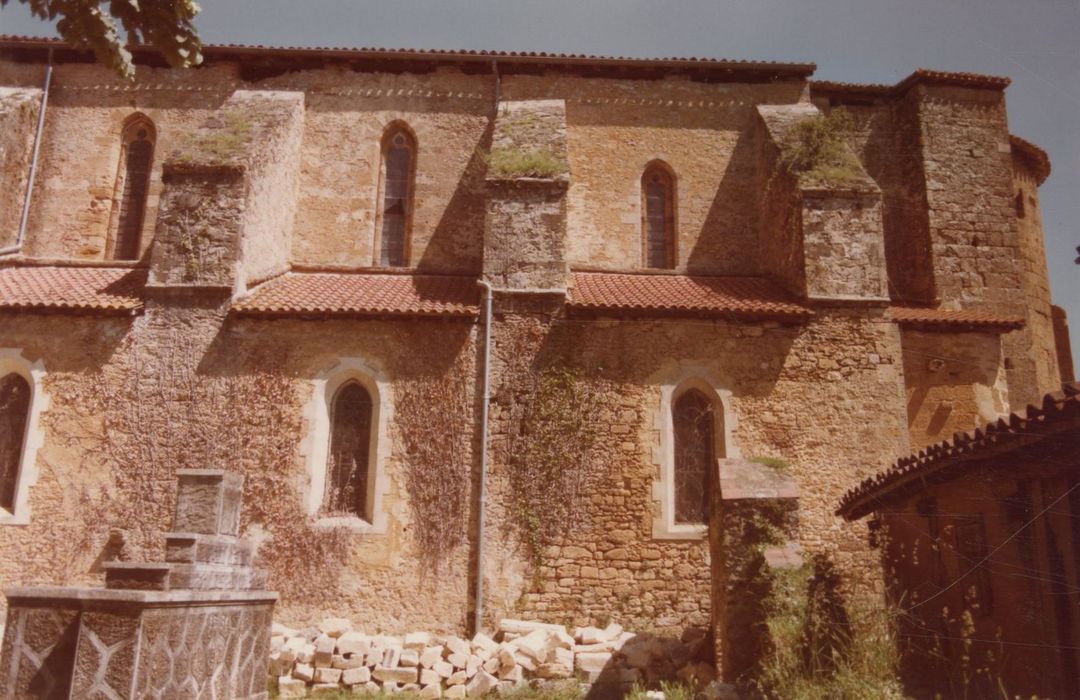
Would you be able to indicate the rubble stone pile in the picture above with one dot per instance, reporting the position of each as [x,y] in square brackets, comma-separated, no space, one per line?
[335,656]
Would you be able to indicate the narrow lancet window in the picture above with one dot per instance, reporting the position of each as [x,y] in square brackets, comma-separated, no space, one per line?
[14,413]
[137,157]
[695,448]
[658,208]
[399,153]
[350,446]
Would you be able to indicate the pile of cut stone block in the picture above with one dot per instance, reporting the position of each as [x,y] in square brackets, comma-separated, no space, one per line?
[336,656]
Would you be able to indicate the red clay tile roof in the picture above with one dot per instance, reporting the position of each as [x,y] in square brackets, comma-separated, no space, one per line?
[473,56]
[828,88]
[97,289]
[737,297]
[953,319]
[1059,412]
[362,294]
[1031,154]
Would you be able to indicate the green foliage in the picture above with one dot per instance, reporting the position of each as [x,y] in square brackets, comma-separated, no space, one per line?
[512,162]
[166,25]
[220,143]
[815,649]
[815,151]
[773,463]
[678,691]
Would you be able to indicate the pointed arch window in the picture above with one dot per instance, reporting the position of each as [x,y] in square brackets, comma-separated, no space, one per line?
[694,426]
[136,162]
[350,449]
[658,216]
[398,173]
[14,416]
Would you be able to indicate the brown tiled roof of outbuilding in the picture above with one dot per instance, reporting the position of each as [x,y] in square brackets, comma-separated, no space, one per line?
[362,294]
[953,319]
[88,289]
[1059,411]
[666,294]
[830,88]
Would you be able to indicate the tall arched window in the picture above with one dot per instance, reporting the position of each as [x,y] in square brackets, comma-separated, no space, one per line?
[399,160]
[14,415]
[658,216]
[350,447]
[136,160]
[695,453]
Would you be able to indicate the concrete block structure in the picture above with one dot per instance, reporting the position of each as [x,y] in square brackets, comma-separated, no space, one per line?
[271,265]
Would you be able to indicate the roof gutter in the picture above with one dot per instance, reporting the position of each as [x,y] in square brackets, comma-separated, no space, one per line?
[33,162]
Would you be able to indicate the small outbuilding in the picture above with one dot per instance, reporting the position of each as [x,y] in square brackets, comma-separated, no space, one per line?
[980,540]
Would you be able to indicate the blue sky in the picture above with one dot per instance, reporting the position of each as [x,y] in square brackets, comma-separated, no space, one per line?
[1035,42]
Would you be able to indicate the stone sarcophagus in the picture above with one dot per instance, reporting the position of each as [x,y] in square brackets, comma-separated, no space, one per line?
[195,626]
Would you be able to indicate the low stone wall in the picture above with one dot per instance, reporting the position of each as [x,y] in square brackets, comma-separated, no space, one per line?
[335,656]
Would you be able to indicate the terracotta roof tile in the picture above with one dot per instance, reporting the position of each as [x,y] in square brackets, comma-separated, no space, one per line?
[953,319]
[1058,412]
[919,76]
[740,297]
[464,55]
[362,294]
[98,289]
[1034,156]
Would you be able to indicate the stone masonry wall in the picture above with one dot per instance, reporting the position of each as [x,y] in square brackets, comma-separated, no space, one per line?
[18,120]
[954,382]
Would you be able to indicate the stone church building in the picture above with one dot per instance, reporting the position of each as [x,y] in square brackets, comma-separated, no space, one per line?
[287,263]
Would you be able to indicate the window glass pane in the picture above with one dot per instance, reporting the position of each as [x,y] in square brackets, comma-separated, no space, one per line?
[14,411]
[658,220]
[395,202]
[139,156]
[694,456]
[350,442]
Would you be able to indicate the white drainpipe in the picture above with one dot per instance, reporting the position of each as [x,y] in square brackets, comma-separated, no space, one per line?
[481,506]
[33,164]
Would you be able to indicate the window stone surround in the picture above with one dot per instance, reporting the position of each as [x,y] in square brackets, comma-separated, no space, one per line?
[672,385]
[12,360]
[315,445]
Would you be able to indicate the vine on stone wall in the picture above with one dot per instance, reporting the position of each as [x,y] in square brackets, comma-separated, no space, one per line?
[165,402]
[433,415]
[549,447]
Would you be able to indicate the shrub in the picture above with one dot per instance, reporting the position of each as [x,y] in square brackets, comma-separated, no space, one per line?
[511,162]
[816,153]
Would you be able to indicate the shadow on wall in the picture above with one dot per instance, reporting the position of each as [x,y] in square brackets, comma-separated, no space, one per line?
[727,243]
[647,660]
[457,242]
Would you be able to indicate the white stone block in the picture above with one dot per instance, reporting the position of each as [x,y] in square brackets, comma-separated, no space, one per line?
[592,661]
[353,643]
[515,674]
[307,653]
[335,626]
[356,676]
[590,635]
[526,626]
[553,671]
[394,675]
[444,668]
[346,662]
[429,677]
[279,629]
[612,631]
[457,645]
[525,661]
[409,657]
[492,665]
[454,691]
[457,678]
[324,651]
[289,687]
[458,660]
[483,643]
[417,640]
[472,665]
[327,675]
[391,656]
[562,656]
[431,692]
[303,672]
[482,683]
[430,656]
